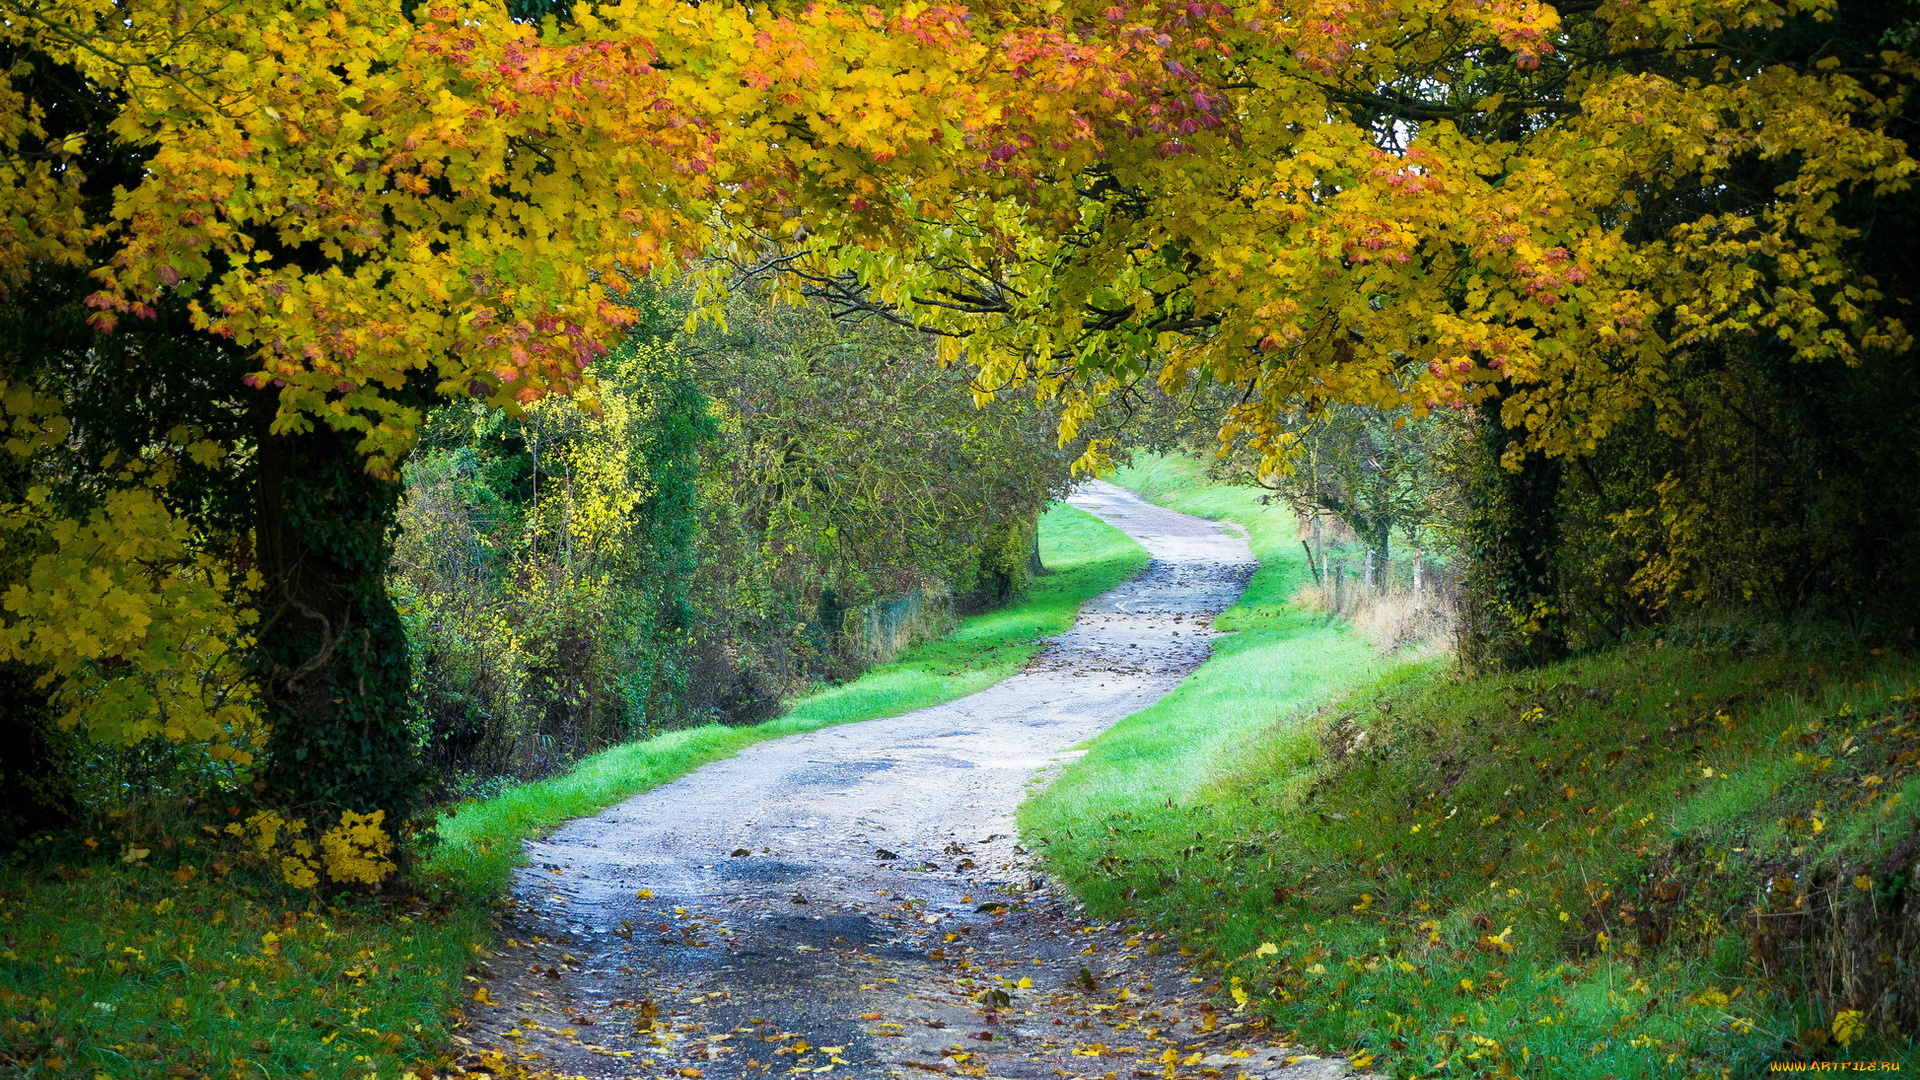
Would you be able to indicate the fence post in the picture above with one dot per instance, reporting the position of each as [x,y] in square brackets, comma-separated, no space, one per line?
[1416,572]
[1339,580]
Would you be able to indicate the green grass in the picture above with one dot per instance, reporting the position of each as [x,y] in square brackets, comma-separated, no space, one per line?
[124,971]
[186,963]
[1278,659]
[1609,867]
[1180,483]
[1086,557]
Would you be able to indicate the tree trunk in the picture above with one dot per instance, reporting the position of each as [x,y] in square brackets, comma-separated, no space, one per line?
[1512,532]
[332,651]
[1035,568]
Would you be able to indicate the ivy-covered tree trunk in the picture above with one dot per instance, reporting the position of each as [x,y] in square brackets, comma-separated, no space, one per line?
[1003,567]
[681,427]
[1511,617]
[1380,537]
[334,668]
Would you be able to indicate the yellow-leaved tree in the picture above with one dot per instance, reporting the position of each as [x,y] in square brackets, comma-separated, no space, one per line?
[370,207]
[1424,205]
[373,206]
[1568,217]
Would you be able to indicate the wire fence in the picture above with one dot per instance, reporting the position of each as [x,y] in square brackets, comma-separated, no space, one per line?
[888,627]
[1347,578]
[1390,601]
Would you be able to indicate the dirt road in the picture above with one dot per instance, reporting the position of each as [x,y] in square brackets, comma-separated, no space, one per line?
[854,902]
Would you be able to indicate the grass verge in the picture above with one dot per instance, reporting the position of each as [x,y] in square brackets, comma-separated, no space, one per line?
[1086,556]
[1278,658]
[1692,857]
[152,954]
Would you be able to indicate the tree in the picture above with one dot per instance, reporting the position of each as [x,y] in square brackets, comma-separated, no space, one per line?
[122,515]
[1567,219]
[1375,472]
[380,206]
[546,564]
[851,469]
[383,205]
[1429,209]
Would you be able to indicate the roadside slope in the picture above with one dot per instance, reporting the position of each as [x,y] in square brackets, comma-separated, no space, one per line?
[1685,857]
[1278,660]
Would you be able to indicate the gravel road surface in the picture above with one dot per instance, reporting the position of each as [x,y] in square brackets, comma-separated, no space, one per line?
[855,903]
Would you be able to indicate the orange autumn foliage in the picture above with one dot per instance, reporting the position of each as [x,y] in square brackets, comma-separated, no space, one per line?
[1383,202]
[1419,203]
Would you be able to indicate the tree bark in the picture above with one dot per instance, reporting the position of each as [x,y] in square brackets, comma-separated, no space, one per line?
[1036,568]
[37,762]
[1512,617]
[332,651]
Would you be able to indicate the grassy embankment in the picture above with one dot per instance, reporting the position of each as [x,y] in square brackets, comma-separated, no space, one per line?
[1632,864]
[1278,659]
[160,957]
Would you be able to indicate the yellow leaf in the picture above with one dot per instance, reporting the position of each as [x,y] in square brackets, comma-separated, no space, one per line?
[1848,1026]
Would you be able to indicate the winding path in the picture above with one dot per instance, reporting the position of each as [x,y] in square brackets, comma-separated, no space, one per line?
[854,901]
